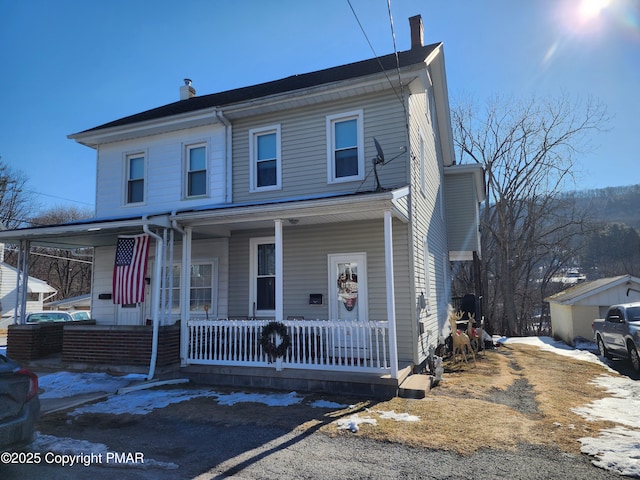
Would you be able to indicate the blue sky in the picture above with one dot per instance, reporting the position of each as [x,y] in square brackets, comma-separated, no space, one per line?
[70,65]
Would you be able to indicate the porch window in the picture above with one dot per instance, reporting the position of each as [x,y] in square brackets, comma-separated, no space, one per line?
[264,146]
[345,147]
[263,283]
[202,288]
[135,178]
[196,170]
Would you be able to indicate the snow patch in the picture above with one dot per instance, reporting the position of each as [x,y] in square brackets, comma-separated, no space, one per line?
[86,453]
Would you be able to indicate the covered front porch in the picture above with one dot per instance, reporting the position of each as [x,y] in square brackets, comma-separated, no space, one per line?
[228,335]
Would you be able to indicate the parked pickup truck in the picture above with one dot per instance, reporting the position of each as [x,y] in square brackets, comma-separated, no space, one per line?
[618,334]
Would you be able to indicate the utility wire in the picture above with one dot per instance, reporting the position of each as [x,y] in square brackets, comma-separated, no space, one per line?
[374,52]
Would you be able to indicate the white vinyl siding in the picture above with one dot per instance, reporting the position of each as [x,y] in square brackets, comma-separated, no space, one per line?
[211,251]
[305,270]
[165,182]
[304,149]
[430,251]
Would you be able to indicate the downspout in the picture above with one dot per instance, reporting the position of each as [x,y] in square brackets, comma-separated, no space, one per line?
[228,191]
[155,296]
[185,287]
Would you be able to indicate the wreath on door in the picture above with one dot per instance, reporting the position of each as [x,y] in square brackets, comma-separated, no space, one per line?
[268,341]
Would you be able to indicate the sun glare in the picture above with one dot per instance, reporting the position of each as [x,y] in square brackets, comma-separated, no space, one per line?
[590,9]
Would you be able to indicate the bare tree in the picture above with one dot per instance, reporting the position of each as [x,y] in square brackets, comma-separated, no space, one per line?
[15,202]
[528,150]
[69,272]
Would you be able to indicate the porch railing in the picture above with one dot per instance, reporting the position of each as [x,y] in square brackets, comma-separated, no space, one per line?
[315,344]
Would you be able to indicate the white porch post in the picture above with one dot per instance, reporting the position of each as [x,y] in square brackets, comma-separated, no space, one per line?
[279,270]
[391,296]
[185,296]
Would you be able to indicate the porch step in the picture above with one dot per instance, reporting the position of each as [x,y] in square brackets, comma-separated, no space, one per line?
[415,386]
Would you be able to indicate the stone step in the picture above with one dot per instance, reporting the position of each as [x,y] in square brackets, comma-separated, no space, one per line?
[415,386]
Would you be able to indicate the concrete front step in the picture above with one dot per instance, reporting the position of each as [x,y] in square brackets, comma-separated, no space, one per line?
[415,386]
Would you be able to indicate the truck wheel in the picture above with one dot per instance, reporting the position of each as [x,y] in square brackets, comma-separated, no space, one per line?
[634,357]
[603,350]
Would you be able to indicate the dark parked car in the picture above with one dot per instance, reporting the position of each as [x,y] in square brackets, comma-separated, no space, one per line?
[19,404]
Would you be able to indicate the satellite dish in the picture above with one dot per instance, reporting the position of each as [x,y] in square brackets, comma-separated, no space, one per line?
[379,160]
[380,157]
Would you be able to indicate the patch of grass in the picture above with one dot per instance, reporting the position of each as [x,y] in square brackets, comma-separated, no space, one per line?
[482,406]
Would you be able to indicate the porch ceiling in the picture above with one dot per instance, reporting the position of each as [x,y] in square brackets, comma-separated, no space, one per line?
[349,208]
[217,221]
[92,233]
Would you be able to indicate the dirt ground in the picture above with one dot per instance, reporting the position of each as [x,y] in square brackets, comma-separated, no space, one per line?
[507,416]
[510,396]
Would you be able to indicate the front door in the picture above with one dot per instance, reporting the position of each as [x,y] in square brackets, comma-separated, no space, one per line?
[348,300]
[130,314]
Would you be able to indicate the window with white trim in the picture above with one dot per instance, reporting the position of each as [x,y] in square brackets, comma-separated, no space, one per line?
[202,292]
[135,178]
[262,291]
[196,170]
[264,151]
[345,147]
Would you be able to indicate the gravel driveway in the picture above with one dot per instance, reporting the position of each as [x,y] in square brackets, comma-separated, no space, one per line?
[200,440]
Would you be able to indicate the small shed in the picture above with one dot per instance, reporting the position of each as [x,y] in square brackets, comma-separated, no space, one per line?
[574,309]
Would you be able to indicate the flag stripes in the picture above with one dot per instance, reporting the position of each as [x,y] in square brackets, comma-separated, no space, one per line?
[130,269]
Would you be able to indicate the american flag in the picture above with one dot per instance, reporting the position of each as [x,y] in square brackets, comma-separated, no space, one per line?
[130,269]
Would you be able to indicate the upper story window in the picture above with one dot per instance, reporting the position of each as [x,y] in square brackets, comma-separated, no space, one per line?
[345,147]
[264,151]
[135,178]
[196,170]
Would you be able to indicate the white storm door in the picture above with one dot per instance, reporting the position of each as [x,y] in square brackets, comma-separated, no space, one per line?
[348,286]
[348,301]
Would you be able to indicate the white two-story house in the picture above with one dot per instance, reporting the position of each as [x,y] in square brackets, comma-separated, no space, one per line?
[328,202]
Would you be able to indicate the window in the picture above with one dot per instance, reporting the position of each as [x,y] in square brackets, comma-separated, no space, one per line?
[196,170]
[264,150]
[202,288]
[135,178]
[263,278]
[345,152]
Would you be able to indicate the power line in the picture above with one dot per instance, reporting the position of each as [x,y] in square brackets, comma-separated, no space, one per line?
[375,54]
[59,198]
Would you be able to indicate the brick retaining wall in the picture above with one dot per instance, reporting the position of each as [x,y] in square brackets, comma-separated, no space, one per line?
[36,340]
[120,345]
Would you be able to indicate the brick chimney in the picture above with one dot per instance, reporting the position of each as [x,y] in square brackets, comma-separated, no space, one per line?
[187,91]
[417,32]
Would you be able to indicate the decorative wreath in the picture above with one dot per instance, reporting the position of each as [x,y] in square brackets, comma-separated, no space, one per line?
[268,344]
